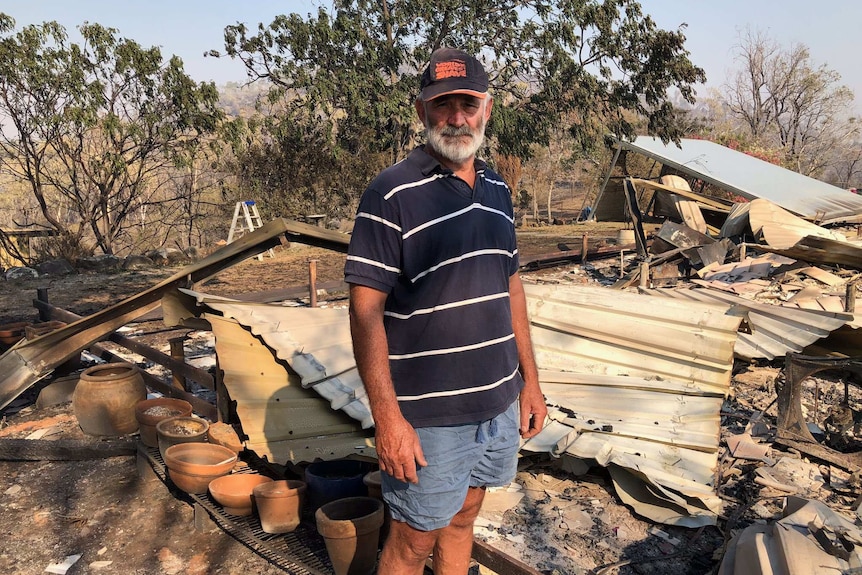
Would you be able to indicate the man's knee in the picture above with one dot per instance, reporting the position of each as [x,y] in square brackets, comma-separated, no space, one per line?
[412,544]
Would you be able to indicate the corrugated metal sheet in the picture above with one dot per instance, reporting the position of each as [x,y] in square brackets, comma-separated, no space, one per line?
[808,538]
[774,330]
[657,431]
[609,332]
[668,442]
[297,399]
[753,178]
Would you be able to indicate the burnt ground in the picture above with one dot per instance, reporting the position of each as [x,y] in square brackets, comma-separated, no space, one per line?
[122,523]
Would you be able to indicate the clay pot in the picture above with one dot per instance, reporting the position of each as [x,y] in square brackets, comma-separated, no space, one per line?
[151,411]
[223,434]
[192,466]
[351,530]
[233,492]
[279,505]
[10,333]
[335,479]
[180,429]
[105,397]
[374,483]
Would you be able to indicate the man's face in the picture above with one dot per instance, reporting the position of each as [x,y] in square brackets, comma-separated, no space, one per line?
[455,125]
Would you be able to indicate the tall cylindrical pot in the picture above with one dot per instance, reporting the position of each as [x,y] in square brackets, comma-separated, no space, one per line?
[105,397]
[279,505]
[351,529]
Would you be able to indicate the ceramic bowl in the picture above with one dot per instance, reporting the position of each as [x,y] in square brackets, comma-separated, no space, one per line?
[234,492]
[192,466]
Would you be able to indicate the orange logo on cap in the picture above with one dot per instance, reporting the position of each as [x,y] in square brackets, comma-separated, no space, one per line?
[453,69]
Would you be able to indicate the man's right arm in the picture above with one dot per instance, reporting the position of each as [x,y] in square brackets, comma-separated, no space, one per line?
[398,447]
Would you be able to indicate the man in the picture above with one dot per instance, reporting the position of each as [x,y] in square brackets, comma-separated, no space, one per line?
[439,325]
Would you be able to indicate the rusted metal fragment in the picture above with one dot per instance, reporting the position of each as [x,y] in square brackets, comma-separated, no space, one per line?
[792,427]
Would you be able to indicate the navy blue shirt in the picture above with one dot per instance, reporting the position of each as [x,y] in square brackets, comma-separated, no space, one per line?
[443,253]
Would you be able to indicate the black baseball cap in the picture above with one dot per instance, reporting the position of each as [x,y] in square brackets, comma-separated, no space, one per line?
[453,72]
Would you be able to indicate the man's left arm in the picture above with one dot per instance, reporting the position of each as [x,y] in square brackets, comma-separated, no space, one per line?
[532,402]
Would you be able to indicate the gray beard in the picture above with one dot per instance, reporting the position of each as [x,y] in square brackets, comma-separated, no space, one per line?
[455,151]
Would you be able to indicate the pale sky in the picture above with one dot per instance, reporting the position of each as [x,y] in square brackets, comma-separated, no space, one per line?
[188,28]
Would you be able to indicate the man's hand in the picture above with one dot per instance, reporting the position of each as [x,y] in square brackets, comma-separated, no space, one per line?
[533,410]
[399,450]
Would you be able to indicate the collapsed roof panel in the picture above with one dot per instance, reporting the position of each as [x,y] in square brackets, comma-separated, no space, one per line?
[774,330]
[670,445]
[601,331]
[752,178]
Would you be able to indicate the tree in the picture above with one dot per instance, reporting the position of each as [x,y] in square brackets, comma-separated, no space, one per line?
[352,71]
[88,126]
[786,102]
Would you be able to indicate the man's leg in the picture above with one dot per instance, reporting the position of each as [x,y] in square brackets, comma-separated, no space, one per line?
[454,545]
[406,550]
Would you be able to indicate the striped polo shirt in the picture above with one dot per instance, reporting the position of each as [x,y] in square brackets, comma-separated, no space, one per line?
[443,253]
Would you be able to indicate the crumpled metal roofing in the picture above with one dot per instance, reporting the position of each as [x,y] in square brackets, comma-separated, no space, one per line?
[808,538]
[315,343]
[598,330]
[649,411]
[774,330]
[752,178]
[658,438]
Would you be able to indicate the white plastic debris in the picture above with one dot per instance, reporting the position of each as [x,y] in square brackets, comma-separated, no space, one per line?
[61,568]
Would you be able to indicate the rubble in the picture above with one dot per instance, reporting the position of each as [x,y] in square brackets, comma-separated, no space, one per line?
[671,373]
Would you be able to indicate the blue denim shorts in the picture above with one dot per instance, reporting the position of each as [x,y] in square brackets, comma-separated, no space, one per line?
[481,454]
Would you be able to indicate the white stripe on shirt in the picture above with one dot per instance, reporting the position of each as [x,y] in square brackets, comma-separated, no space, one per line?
[430,352]
[409,185]
[374,263]
[462,258]
[378,219]
[457,391]
[471,207]
[450,305]
[495,182]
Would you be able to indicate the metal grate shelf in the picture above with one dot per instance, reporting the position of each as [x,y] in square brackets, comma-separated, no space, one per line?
[301,552]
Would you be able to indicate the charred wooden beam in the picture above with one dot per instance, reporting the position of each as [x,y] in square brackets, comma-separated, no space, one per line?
[180,368]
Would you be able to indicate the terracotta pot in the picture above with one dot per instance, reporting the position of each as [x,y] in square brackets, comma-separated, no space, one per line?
[192,466]
[279,505]
[180,429]
[150,412]
[223,434]
[12,332]
[105,397]
[233,492]
[351,530]
[374,483]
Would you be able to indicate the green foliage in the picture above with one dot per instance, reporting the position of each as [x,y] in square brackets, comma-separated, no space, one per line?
[90,125]
[347,75]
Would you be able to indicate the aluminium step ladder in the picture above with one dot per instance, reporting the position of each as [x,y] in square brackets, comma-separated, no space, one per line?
[246,218]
